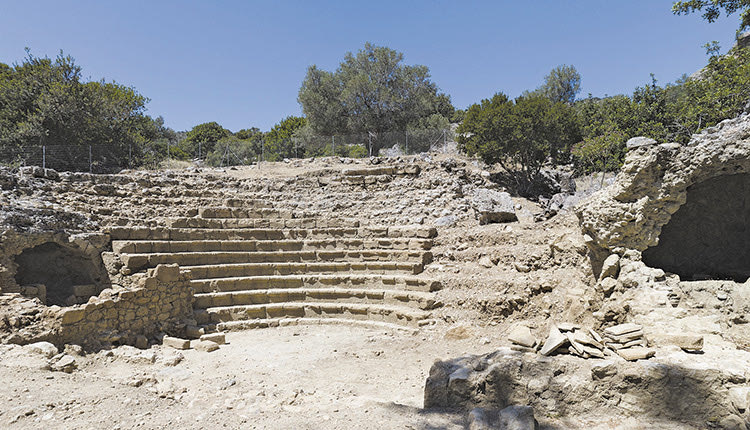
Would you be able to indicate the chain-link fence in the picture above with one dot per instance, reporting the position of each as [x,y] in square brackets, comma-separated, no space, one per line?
[107,158]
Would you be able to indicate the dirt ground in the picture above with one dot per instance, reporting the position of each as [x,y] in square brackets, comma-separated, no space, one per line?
[295,377]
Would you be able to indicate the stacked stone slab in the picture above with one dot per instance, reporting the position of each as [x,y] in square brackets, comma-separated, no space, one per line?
[253,265]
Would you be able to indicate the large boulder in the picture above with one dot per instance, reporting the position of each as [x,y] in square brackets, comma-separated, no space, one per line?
[493,206]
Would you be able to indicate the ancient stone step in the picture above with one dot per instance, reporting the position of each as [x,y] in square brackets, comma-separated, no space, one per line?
[163,233]
[355,311]
[278,223]
[346,280]
[283,322]
[424,301]
[137,262]
[259,269]
[234,212]
[154,246]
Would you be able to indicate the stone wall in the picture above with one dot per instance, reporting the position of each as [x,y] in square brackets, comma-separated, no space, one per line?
[160,303]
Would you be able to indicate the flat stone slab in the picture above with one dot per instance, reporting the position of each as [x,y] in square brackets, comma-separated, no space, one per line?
[554,341]
[636,353]
[521,335]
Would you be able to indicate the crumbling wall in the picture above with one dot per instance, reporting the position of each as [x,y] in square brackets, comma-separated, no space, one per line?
[162,300]
[653,185]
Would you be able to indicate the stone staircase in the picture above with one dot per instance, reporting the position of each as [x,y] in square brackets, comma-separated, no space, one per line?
[254,265]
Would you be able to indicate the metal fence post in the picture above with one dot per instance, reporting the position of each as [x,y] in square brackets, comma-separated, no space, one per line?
[406,151]
[445,142]
[333,145]
[130,155]
[91,166]
[44,156]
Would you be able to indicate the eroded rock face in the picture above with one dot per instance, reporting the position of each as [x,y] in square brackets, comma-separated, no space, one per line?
[656,182]
[679,393]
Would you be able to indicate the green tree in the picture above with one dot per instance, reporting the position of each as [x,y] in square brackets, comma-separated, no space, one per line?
[520,136]
[562,84]
[278,141]
[203,137]
[371,91]
[712,9]
[46,102]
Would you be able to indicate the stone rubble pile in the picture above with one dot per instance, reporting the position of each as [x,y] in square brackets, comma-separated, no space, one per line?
[624,340]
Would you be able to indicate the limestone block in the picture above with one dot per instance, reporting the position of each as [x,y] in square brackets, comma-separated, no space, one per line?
[636,353]
[176,342]
[521,335]
[44,348]
[610,267]
[204,345]
[218,338]
[167,272]
[72,316]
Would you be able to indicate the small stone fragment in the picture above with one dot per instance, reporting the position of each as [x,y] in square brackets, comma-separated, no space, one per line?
[66,363]
[554,341]
[204,345]
[141,342]
[636,353]
[218,338]
[521,335]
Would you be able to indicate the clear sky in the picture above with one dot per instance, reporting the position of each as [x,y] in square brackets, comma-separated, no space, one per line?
[241,63]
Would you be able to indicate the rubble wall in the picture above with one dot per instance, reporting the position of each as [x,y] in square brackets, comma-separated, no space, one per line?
[162,300]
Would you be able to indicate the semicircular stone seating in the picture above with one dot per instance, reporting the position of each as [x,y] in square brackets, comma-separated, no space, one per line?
[254,266]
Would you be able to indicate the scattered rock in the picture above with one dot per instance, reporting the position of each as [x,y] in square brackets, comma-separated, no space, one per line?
[517,418]
[521,335]
[493,206]
[44,348]
[204,345]
[66,363]
[554,341]
[636,353]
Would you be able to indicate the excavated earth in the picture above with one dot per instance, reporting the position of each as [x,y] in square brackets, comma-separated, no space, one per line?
[393,271]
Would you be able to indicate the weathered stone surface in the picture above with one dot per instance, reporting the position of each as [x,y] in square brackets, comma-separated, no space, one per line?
[176,342]
[517,418]
[636,353]
[521,335]
[554,341]
[653,184]
[44,348]
[689,395]
[492,206]
[218,338]
[167,272]
[637,142]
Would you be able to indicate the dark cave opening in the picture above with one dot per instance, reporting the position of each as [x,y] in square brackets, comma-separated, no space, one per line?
[709,236]
[67,272]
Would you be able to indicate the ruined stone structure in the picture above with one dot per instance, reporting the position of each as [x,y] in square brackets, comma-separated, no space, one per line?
[328,246]
[684,207]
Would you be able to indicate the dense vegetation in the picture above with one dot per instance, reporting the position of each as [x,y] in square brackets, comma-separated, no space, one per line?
[373,101]
[544,127]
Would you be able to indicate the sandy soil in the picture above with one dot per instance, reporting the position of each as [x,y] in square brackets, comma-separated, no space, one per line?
[311,377]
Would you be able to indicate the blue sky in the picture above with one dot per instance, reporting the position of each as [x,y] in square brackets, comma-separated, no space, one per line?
[241,63]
